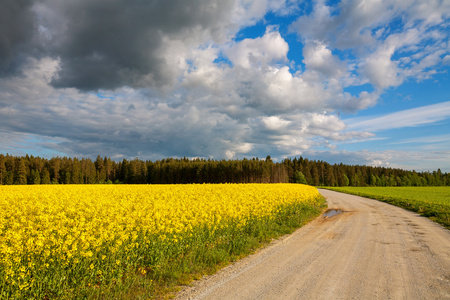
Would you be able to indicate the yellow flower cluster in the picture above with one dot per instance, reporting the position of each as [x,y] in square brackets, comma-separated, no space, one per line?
[52,236]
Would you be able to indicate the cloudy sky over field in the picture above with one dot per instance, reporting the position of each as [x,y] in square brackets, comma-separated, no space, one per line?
[358,82]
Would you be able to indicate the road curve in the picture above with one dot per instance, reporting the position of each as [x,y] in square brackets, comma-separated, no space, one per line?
[372,250]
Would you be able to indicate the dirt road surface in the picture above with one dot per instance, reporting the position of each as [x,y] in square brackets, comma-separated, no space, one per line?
[370,251]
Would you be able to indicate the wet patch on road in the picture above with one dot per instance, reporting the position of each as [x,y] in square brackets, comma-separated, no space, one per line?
[331,213]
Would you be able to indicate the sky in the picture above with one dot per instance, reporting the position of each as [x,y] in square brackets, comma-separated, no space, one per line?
[356,82]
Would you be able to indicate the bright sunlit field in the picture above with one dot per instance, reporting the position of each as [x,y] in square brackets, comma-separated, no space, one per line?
[90,240]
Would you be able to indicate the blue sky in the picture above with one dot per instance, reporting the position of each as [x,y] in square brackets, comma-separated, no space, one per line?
[357,82]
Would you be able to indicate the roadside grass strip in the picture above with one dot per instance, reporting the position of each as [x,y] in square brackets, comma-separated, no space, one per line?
[136,241]
[431,202]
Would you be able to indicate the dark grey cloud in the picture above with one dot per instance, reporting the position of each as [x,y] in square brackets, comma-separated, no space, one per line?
[17,28]
[107,44]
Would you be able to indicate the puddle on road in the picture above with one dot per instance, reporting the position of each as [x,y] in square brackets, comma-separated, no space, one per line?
[331,212]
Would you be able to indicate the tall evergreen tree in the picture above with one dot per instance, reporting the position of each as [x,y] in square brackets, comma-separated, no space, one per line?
[2,168]
[21,174]
[35,177]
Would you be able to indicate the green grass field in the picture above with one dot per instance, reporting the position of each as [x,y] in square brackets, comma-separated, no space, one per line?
[431,202]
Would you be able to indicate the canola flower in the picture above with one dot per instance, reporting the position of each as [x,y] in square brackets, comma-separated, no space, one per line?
[54,239]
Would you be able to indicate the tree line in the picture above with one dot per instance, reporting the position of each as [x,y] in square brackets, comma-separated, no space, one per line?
[65,170]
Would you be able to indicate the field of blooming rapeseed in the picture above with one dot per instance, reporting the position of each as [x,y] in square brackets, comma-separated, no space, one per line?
[82,240]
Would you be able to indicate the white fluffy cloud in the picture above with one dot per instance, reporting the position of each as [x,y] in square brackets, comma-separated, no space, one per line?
[319,58]
[365,31]
[259,52]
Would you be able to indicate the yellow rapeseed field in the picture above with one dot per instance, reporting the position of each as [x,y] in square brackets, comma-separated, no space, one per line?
[55,239]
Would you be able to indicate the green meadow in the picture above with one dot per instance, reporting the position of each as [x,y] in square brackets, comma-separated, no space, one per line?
[431,202]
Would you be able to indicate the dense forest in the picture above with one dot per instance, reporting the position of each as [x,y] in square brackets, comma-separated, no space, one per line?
[65,170]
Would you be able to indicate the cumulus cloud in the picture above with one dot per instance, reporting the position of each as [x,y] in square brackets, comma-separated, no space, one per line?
[275,123]
[16,34]
[379,68]
[319,58]
[258,52]
[105,45]
[367,32]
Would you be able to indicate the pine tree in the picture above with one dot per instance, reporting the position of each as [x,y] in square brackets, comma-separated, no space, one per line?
[100,170]
[55,165]
[35,178]
[2,168]
[21,173]
[315,175]
[45,177]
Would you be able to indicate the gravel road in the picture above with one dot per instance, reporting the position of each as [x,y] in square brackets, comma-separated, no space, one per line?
[371,250]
